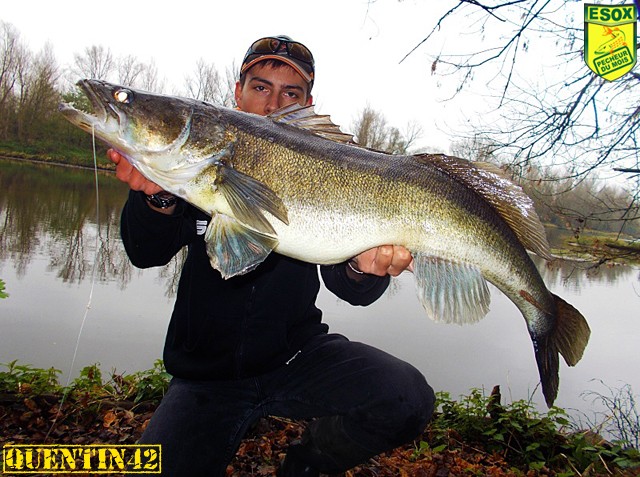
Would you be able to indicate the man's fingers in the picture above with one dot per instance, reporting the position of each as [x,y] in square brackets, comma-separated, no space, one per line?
[128,174]
[114,156]
[396,260]
[385,259]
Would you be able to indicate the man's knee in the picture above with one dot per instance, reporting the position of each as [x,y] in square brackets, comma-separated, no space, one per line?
[415,405]
[403,404]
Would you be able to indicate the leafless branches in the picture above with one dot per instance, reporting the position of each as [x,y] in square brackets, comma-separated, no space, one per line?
[372,130]
[545,109]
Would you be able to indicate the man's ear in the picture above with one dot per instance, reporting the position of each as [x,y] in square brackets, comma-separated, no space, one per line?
[309,100]
[238,93]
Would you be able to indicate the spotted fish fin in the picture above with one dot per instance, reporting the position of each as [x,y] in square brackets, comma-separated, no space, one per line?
[234,249]
[248,198]
[507,198]
[305,117]
[450,292]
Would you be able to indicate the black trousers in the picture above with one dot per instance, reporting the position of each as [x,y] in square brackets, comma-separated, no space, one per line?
[367,402]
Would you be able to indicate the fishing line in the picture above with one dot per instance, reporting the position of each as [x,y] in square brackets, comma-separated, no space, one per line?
[93,282]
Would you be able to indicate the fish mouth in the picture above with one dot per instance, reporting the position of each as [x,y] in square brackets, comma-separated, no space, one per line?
[103,117]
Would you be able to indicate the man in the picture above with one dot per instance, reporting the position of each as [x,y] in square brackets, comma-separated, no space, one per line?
[254,345]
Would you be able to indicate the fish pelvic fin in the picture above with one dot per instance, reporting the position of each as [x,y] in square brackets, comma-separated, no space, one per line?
[248,197]
[568,338]
[450,292]
[507,198]
[234,249]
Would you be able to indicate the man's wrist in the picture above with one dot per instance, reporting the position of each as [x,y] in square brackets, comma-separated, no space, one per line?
[354,267]
[353,272]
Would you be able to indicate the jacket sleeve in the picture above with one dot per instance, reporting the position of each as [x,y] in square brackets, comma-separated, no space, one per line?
[363,292]
[151,238]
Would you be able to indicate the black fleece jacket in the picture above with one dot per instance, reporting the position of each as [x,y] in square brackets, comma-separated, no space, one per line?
[243,326]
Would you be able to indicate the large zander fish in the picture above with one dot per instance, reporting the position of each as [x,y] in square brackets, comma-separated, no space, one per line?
[294,184]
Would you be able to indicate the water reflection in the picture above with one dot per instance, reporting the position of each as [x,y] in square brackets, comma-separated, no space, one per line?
[575,274]
[51,211]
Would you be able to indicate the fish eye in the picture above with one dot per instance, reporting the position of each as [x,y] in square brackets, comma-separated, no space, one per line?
[123,95]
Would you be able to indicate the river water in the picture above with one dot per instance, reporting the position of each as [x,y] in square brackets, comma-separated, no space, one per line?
[61,268]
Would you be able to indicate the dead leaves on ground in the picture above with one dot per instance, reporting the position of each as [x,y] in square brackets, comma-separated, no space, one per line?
[45,420]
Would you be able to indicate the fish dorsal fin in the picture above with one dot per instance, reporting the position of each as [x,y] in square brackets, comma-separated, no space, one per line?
[305,117]
[234,249]
[450,292]
[508,199]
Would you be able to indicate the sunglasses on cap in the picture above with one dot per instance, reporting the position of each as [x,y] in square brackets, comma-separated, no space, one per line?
[281,48]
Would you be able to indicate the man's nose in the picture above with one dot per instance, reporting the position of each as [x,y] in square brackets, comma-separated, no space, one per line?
[272,104]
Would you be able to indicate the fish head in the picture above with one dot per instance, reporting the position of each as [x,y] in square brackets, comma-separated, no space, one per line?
[154,132]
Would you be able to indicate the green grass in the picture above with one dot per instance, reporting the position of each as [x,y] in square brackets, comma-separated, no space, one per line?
[50,151]
[147,385]
[523,437]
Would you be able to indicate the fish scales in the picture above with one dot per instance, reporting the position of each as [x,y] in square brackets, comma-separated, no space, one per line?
[370,188]
[293,183]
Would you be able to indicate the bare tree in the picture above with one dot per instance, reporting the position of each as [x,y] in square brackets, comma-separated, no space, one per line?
[149,80]
[232,73]
[96,62]
[135,73]
[38,95]
[207,84]
[14,58]
[129,70]
[560,114]
[28,95]
[474,149]
[371,130]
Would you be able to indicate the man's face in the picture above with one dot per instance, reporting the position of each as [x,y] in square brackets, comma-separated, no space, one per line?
[267,88]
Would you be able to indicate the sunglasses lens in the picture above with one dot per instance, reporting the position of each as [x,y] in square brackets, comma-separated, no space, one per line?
[265,46]
[300,52]
[273,45]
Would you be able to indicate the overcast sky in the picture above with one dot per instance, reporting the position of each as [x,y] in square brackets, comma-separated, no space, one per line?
[357,45]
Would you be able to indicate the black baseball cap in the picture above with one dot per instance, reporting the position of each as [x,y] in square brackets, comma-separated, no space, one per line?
[281,48]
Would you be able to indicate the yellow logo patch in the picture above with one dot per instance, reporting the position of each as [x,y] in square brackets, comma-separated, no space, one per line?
[610,46]
[81,459]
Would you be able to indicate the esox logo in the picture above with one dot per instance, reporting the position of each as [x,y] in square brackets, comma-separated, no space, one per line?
[610,33]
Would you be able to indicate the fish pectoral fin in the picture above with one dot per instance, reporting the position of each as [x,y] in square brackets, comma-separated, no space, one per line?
[451,292]
[234,249]
[248,198]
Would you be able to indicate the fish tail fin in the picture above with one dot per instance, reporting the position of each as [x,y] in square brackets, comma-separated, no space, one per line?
[572,332]
[548,364]
[569,338]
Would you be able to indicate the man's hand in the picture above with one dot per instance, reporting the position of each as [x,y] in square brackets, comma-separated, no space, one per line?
[384,260]
[130,175]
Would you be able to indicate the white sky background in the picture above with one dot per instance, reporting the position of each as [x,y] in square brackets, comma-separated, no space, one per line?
[357,46]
